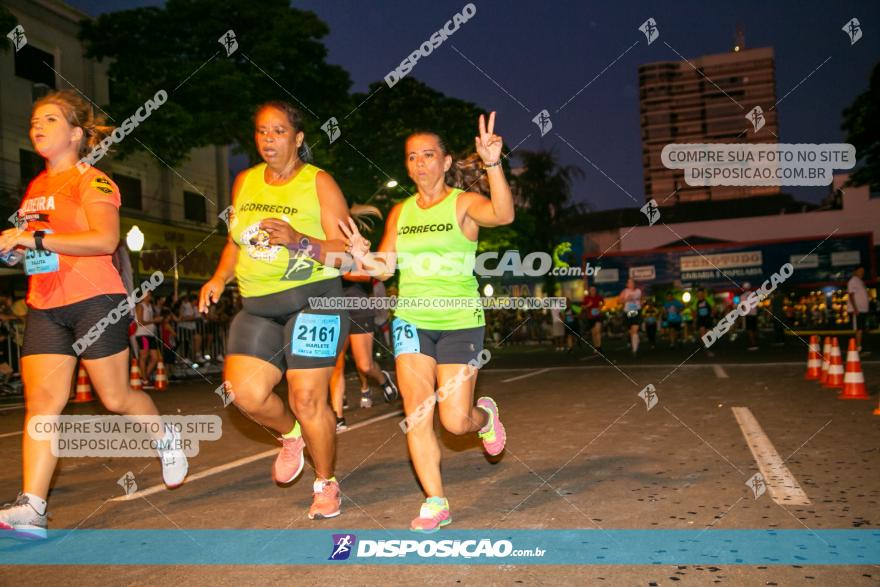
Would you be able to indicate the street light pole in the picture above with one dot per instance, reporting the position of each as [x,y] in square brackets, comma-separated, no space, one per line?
[135,241]
[391,183]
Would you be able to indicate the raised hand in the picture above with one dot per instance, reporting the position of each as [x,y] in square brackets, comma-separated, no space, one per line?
[488,144]
[356,245]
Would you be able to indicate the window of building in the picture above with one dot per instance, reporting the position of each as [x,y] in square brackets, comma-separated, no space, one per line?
[194,207]
[35,65]
[130,189]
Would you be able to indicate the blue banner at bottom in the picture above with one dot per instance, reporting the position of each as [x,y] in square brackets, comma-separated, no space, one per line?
[471,547]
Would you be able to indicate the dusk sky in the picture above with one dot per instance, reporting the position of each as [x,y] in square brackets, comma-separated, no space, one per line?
[536,56]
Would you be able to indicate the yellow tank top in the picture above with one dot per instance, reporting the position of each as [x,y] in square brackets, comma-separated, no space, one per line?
[262,268]
[429,238]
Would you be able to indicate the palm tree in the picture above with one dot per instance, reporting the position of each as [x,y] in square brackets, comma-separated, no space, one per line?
[861,122]
[544,189]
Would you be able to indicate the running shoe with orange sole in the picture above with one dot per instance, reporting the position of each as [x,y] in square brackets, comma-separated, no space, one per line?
[326,502]
[289,462]
[433,515]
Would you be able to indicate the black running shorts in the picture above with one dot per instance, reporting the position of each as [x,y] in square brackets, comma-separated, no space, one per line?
[92,329]
[283,330]
[447,347]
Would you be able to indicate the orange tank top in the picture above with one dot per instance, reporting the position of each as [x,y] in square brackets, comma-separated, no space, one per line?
[57,203]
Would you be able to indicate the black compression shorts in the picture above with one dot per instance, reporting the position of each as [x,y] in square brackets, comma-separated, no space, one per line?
[92,329]
[283,330]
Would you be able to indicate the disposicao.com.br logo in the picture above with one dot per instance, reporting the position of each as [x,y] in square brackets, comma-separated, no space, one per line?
[344,545]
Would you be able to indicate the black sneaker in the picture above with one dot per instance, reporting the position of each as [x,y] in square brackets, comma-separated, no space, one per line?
[389,389]
[340,424]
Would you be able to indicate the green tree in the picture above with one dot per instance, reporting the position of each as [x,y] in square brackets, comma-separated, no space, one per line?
[545,188]
[370,150]
[861,121]
[212,97]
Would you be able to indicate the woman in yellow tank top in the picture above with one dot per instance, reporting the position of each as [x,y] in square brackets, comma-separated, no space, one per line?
[438,349]
[285,222]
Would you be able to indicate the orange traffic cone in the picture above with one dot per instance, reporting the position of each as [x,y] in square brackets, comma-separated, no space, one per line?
[826,356]
[835,367]
[854,379]
[83,388]
[161,380]
[135,378]
[814,363]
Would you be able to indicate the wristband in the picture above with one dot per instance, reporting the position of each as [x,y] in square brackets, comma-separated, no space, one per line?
[488,165]
[38,240]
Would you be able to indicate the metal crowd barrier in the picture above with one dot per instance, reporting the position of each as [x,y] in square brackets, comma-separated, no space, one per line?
[204,341]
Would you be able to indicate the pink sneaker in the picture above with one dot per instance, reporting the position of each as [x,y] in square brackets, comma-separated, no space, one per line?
[326,502]
[289,462]
[493,434]
[433,516]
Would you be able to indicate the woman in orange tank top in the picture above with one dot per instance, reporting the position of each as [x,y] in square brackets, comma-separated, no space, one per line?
[67,228]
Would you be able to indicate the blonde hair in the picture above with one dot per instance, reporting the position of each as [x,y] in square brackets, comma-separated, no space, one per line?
[361,214]
[78,112]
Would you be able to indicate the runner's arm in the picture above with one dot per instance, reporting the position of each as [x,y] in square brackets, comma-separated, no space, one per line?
[496,210]
[229,257]
[329,251]
[101,238]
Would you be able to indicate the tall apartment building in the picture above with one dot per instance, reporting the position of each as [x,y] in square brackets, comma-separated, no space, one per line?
[177,209]
[704,100]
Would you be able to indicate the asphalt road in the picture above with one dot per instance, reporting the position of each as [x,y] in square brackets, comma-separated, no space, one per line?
[584,452]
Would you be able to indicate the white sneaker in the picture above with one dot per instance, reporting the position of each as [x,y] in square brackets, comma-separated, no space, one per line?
[174,463]
[23,519]
[366,400]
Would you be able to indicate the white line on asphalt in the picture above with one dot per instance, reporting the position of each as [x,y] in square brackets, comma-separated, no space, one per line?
[242,461]
[538,372]
[783,487]
[719,371]
[17,406]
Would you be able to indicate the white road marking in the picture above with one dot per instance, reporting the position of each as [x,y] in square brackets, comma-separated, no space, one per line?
[719,371]
[240,462]
[781,484]
[538,372]
[12,407]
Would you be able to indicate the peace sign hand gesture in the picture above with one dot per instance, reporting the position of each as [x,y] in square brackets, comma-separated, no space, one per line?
[355,244]
[488,144]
